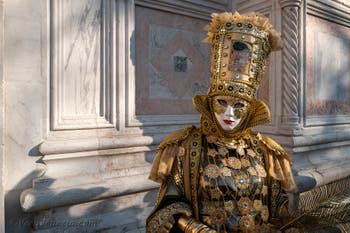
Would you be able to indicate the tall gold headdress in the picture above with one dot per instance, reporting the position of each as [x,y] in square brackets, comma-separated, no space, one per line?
[240,47]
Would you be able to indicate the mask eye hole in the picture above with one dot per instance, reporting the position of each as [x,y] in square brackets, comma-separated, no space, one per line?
[222,102]
[238,105]
[239,46]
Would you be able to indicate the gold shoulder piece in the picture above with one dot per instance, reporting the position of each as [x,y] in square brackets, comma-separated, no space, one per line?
[176,137]
[278,163]
[274,146]
[166,154]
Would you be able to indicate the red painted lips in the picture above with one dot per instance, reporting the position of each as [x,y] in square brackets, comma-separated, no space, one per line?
[229,122]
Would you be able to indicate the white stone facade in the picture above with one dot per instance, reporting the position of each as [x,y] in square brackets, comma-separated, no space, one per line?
[89,88]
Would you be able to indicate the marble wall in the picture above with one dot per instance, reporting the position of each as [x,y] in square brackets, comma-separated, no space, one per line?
[79,140]
[89,89]
[328,67]
[172,63]
[2,117]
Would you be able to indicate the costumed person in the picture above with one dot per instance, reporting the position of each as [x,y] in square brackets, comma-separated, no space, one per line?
[223,177]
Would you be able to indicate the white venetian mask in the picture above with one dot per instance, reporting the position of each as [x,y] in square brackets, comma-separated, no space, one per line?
[228,111]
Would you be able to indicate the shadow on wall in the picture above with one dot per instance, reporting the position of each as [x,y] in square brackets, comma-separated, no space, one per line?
[113,214]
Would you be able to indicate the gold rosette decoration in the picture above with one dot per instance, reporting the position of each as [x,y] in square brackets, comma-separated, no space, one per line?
[242,181]
[212,171]
[225,171]
[218,216]
[245,205]
[247,224]
[234,163]
[229,206]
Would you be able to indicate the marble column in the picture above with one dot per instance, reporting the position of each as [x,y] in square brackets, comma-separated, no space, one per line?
[2,126]
[290,63]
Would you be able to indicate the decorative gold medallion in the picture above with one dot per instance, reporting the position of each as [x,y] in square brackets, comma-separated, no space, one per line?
[244,205]
[234,163]
[264,213]
[242,181]
[247,224]
[225,171]
[218,216]
[212,171]
[229,206]
[261,170]
[257,204]
[245,163]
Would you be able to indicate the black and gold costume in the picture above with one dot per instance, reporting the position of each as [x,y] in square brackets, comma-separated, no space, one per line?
[214,180]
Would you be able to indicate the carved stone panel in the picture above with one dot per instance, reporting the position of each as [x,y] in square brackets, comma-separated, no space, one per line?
[172,64]
[328,68]
[78,82]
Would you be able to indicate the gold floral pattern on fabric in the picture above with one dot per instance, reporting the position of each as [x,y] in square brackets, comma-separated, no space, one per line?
[264,213]
[215,193]
[218,216]
[251,153]
[257,204]
[261,170]
[212,138]
[252,171]
[212,171]
[226,171]
[230,182]
[242,181]
[234,163]
[229,206]
[245,205]
[245,163]
[247,224]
